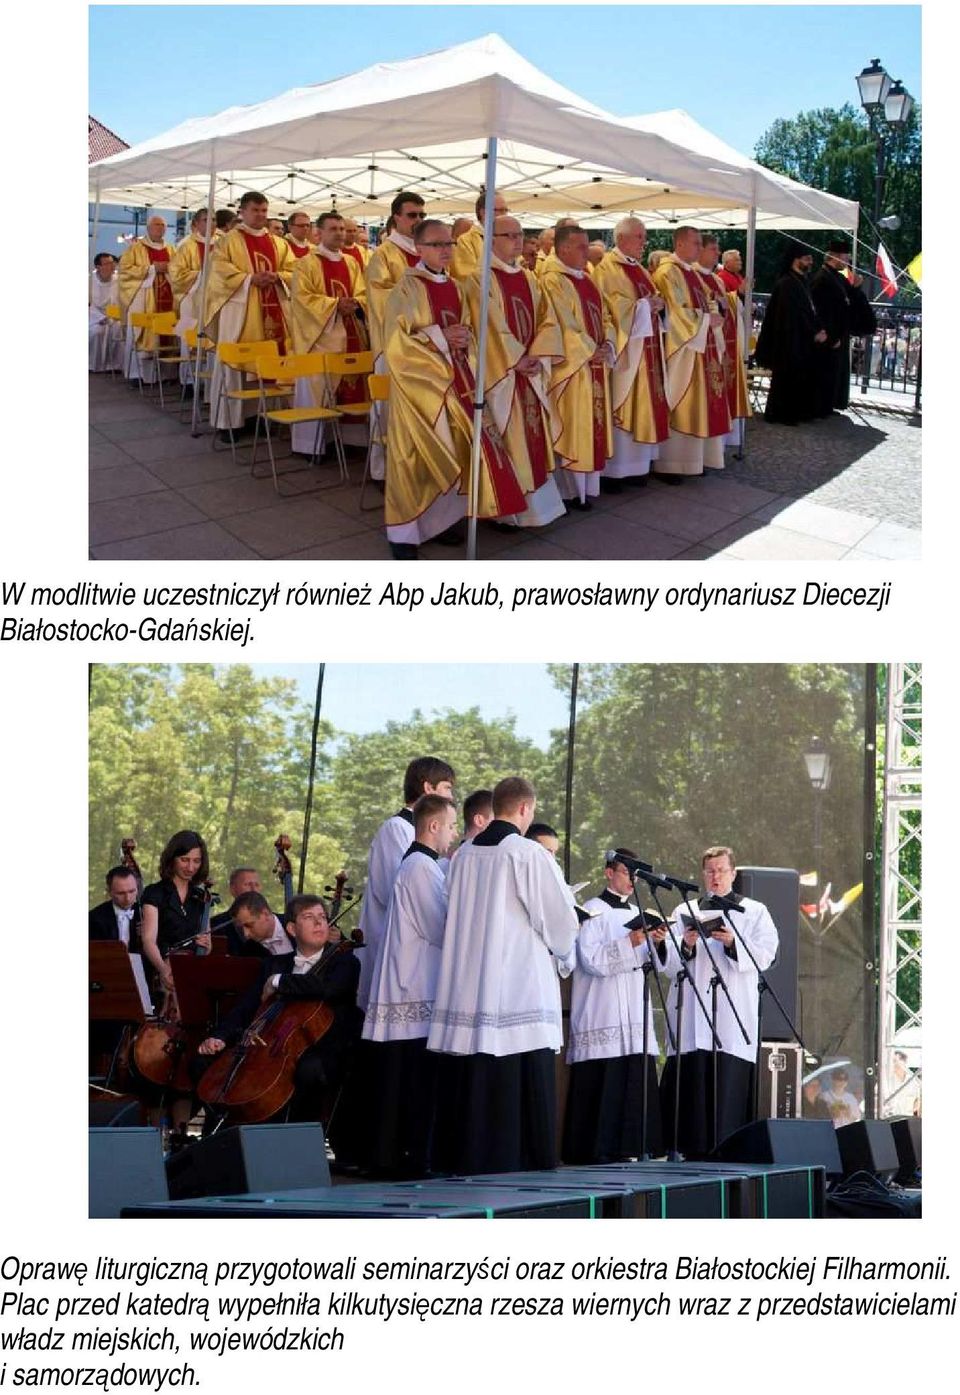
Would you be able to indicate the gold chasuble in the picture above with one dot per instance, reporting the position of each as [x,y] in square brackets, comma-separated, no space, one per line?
[734,367]
[359,254]
[186,268]
[299,249]
[695,384]
[238,311]
[520,324]
[467,254]
[430,427]
[579,390]
[319,282]
[384,269]
[636,381]
[140,289]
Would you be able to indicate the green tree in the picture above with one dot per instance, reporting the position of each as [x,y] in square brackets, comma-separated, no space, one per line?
[833,149]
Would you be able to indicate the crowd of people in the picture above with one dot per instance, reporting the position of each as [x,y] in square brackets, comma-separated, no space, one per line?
[447,1021]
[599,368]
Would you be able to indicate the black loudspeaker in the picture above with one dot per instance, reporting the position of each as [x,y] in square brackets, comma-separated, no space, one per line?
[251,1158]
[779,890]
[908,1138]
[120,1113]
[787,1142]
[868,1146]
[126,1169]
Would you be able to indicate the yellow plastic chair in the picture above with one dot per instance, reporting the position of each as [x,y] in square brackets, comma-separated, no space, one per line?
[113,315]
[190,337]
[378,386]
[294,367]
[162,326]
[244,356]
[137,319]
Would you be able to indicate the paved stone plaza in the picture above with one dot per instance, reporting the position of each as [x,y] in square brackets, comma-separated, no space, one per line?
[848,488]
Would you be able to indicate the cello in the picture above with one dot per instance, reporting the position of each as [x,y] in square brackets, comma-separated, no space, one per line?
[162,1047]
[283,871]
[254,1079]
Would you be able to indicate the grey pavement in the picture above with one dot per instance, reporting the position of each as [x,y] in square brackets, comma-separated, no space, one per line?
[845,488]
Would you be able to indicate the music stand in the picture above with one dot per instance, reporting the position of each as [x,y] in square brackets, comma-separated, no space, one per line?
[113,992]
[201,984]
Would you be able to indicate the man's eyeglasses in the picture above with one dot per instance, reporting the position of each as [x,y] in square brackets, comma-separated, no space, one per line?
[438,244]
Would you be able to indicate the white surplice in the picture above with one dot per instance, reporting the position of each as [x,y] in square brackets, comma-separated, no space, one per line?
[106,338]
[390,842]
[404,981]
[606,1007]
[510,915]
[756,926]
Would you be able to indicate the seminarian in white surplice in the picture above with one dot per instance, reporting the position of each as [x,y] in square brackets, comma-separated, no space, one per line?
[511,921]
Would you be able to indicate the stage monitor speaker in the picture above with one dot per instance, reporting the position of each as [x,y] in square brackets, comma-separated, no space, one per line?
[786,1142]
[868,1146]
[779,890]
[250,1158]
[126,1169]
[123,1112]
[908,1137]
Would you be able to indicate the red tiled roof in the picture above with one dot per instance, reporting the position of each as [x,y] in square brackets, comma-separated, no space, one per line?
[103,142]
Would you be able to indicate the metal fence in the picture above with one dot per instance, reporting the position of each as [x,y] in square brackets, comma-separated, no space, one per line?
[893,361]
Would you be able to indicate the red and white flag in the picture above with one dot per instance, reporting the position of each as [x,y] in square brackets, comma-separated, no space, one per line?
[886,272]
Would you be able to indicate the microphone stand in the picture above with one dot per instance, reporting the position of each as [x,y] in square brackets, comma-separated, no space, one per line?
[725,904]
[717,981]
[648,967]
[683,977]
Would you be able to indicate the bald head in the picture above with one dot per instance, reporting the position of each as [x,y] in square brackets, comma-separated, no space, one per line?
[507,239]
[687,244]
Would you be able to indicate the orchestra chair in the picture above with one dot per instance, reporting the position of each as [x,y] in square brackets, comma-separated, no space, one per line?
[243,356]
[292,368]
[378,386]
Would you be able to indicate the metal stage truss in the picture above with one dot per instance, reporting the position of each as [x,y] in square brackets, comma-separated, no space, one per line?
[901,1012]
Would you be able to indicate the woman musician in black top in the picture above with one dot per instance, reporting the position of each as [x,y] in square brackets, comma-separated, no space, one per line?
[173,907]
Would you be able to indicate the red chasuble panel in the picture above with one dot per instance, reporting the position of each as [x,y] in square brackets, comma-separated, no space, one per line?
[263,257]
[642,283]
[336,277]
[445,306]
[520,313]
[355,253]
[592,307]
[299,251]
[162,289]
[730,339]
[718,413]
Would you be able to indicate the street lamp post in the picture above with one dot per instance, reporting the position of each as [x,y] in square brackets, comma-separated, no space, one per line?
[817,760]
[888,106]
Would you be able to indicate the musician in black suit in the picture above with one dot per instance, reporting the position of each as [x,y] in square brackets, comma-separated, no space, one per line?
[318,970]
[120,917]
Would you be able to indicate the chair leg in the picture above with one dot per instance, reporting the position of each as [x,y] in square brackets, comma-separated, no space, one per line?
[373,437]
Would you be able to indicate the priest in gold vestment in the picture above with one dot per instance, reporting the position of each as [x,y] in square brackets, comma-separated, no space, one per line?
[327,299]
[248,294]
[468,252]
[734,363]
[143,282]
[186,273]
[523,340]
[696,388]
[580,381]
[641,419]
[386,265]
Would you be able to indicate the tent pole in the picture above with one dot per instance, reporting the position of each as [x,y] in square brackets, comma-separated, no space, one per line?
[202,317]
[490,186]
[748,298]
[96,225]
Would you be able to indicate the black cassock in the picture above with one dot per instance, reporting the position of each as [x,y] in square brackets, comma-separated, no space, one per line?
[844,312]
[787,346]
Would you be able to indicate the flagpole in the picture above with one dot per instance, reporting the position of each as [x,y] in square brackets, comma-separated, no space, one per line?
[490,186]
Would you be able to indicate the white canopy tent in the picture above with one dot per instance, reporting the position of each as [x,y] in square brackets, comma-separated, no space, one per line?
[473,115]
